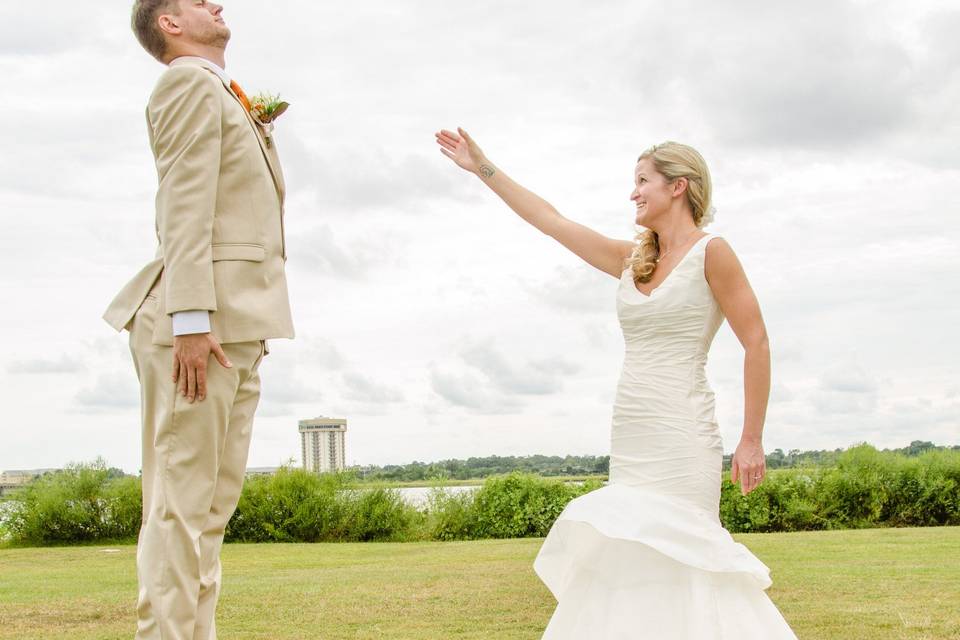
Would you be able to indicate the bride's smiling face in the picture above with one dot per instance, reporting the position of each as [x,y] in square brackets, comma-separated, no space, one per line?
[652,193]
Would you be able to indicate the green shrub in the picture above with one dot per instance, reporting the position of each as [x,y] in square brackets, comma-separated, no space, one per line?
[866,488]
[379,514]
[925,491]
[520,505]
[854,493]
[82,503]
[291,505]
[294,505]
[783,502]
[451,515]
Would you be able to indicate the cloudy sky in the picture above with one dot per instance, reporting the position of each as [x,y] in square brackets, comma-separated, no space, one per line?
[427,313]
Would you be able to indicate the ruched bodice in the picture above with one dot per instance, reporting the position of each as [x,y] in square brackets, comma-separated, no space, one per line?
[665,434]
[646,556]
[670,331]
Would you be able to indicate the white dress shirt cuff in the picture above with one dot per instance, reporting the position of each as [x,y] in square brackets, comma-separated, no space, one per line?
[193,321]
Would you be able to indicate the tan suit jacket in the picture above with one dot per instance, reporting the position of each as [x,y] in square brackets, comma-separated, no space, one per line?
[219,214]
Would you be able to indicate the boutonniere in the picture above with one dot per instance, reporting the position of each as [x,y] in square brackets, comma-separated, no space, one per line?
[265,108]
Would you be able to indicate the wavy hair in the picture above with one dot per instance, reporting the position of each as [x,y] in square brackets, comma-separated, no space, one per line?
[672,160]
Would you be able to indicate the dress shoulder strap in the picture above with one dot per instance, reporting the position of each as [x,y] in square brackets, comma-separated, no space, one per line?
[701,246]
[707,238]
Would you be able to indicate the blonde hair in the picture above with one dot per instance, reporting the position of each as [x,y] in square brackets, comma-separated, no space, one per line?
[672,160]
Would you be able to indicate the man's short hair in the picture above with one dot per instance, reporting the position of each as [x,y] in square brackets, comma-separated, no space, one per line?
[145,27]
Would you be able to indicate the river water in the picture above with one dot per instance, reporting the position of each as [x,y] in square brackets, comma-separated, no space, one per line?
[418,496]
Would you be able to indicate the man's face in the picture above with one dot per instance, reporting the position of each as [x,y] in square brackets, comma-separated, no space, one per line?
[201,22]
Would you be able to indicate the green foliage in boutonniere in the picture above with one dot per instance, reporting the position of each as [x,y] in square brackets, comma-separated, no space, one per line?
[267,107]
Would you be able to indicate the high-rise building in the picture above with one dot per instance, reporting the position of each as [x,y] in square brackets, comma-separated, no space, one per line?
[322,444]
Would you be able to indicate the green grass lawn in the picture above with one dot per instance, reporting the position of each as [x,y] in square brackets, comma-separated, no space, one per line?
[862,585]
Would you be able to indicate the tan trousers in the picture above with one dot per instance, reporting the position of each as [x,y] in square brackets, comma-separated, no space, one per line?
[194,459]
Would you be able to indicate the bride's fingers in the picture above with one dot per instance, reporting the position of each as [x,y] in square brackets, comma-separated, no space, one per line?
[450,142]
[453,145]
[449,134]
[446,144]
[447,153]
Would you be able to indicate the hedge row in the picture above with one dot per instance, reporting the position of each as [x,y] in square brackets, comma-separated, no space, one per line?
[866,488]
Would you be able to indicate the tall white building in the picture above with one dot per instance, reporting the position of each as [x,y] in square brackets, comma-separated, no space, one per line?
[322,444]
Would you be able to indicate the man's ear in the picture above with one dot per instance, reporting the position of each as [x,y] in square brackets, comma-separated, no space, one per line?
[169,25]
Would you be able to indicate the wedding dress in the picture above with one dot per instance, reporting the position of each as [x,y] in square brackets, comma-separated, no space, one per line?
[646,555]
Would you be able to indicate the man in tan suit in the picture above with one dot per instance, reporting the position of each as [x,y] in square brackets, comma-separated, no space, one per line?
[199,314]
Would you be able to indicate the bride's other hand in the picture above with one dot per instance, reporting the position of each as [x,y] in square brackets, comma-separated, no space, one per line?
[748,465]
[461,149]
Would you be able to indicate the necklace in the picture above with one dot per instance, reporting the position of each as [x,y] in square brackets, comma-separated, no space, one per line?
[662,255]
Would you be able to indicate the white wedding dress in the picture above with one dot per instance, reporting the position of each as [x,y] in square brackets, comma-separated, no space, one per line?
[646,555]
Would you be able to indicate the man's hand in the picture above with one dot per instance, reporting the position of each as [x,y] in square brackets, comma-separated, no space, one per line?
[190,355]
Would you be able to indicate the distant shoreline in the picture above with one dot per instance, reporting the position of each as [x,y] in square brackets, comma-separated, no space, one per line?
[469,482]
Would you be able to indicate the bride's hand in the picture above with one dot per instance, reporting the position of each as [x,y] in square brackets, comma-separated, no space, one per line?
[749,465]
[461,149]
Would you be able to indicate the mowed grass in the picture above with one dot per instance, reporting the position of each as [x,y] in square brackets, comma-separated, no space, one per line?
[863,585]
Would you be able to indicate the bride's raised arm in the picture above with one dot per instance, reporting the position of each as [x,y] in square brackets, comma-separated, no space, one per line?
[606,254]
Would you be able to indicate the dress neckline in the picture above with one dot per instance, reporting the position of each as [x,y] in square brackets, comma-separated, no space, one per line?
[675,267]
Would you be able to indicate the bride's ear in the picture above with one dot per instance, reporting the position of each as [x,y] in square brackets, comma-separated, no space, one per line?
[680,186]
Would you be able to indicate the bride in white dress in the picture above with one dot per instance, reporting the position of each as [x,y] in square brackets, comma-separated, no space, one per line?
[646,555]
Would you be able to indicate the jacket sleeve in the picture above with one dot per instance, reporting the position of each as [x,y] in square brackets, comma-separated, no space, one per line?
[185,120]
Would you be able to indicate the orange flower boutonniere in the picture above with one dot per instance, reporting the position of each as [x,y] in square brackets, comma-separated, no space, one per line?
[265,109]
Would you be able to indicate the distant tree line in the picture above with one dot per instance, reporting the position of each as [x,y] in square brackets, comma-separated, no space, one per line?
[794,458]
[553,466]
[484,467]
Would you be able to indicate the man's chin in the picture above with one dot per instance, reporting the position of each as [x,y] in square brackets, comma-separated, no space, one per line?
[221,39]
[221,33]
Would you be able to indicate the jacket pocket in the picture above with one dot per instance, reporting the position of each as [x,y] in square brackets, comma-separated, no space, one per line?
[238,251]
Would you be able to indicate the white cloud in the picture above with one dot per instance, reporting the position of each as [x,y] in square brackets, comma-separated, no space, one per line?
[471,391]
[578,289]
[64,364]
[287,388]
[114,391]
[319,251]
[26,31]
[363,389]
[534,378]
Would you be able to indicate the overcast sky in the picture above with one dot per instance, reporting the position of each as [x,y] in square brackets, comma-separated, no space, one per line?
[427,314]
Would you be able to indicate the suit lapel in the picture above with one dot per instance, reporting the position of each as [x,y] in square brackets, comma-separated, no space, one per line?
[268,153]
[272,160]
